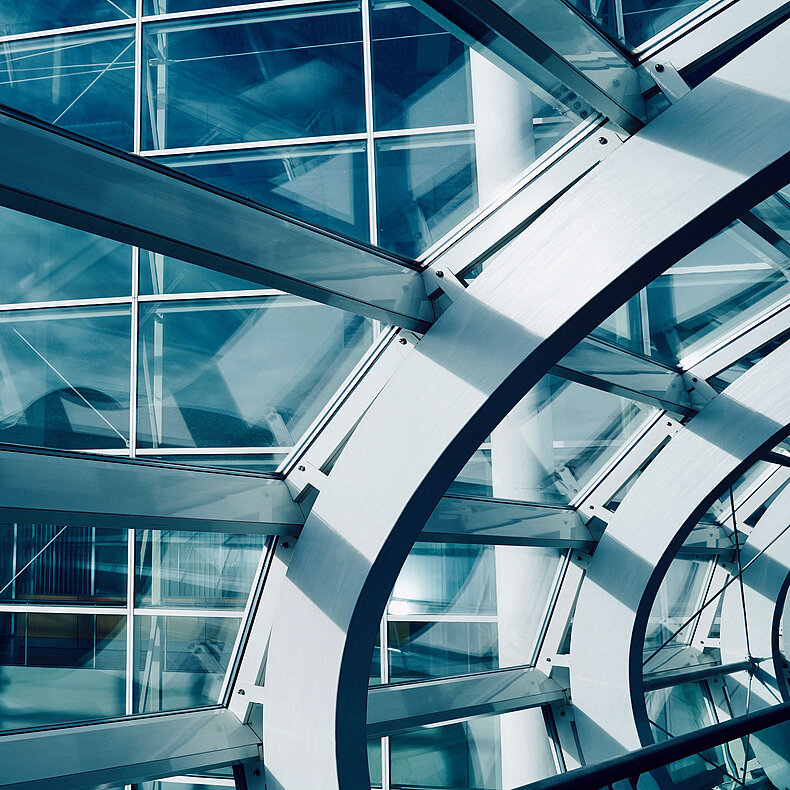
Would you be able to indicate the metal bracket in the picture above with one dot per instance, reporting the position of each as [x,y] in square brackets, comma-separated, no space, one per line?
[668,80]
[700,392]
[442,279]
[302,477]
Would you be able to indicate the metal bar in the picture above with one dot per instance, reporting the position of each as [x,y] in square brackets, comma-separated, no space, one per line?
[124,751]
[661,680]
[87,490]
[659,755]
[553,46]
[60,176]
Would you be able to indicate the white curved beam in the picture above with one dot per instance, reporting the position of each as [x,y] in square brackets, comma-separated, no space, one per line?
[765,558]
[642,538]
[690,172]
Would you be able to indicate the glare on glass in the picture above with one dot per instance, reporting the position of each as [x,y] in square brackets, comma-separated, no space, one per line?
[65,377]
[276,75]
[180,662]
[83,82]
[57,668]
[232,373]
[325,185]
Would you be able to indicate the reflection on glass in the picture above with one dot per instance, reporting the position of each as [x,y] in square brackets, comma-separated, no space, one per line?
[678,710]
[635,21]
[272,76]
[58,668]
[230,373]
[265,463]
[160,274]
[440,649]
[44,261]
[374,762]
[552,443]
[678,598]
[485,753]
[180,662]
[775,212]
[324,185]
[426,185]
[177,6]
[33,15]
[502,590]
[82,82]
[64,377]
[199,570]
[56,564]
[180,784]
[420,72]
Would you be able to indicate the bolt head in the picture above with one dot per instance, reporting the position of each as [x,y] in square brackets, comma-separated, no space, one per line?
[402,341]
[659,68]
[242,692]
[603,140]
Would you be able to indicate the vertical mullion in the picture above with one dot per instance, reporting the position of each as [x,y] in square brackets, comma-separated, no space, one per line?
[130,547]
[367,66]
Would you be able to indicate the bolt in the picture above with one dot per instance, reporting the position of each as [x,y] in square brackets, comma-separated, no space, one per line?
[548,661]
[285,544]
[301,468]
[592,507]
[602,140]
[694,378]
[257,772]
[440,273]
[669,424]
[583,114]
[659,68]
[562,713]
[242,692]
[402,341]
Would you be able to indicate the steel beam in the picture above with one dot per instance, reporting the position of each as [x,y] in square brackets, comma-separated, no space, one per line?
[555,47]
[703,162]
[643,537]
[51,487]
[63,177]
[123,751]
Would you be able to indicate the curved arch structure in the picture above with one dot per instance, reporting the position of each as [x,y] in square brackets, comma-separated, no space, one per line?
[656,516]
[766,577]
[684,177]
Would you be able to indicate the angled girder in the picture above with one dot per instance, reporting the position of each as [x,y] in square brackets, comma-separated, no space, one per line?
[689,173]
[555,47]
[60,176]
[137,749]
[54,487]
[643,537]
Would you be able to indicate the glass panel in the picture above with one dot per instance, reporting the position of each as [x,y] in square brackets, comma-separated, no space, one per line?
[421,72]
[553,443]
[730,374]
[83,82]
[677,600]
[160,274]
[635,21]
[64,377]
[60,668]
[324,185]
[273,76]
[33,15]
[374,762]
[486,753]
[426,185]
[44,261]
[504,591]
[198,570]
[775,212]
[181,784]
[58,564]
[241,373]
[177,6]
[262,464]
[180,662]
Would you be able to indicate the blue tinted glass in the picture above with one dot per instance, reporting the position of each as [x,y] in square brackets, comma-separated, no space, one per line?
[177,6]
[426,185]
[30,15]
[278,75]
[160,274]
[324,185]
[58,564]
[241,373]
[44,261]
[180,662]
[199,570]
[58,668]
[421,72]
[83,82]
[65,377]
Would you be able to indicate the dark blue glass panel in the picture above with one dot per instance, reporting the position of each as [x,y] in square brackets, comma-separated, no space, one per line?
[324,185]
[65,377]
[420,72]
[30,15]
[83,82]
[277,75]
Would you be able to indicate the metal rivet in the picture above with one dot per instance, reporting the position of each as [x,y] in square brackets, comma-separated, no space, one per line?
[301,468]
[693,378]
[669,424]
[402,341]
[659,68]
[440,273]
[285,544]
[257,772]
[242,692]
[583,114]
[602,140]
[592,507]
[548,661]
[562,713]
